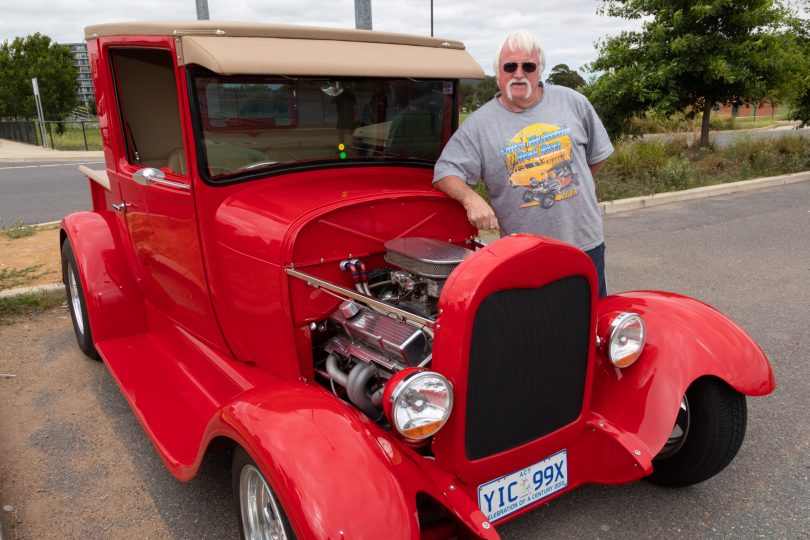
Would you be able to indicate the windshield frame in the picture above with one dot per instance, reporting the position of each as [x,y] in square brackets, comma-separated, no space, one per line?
[450,112]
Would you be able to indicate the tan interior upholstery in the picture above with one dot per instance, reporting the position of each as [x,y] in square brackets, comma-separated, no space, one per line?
[177,161]
[149,97]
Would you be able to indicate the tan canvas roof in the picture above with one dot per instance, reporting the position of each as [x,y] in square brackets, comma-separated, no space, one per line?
[250,48]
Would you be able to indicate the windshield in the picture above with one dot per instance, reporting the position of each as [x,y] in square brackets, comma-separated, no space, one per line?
[252,123]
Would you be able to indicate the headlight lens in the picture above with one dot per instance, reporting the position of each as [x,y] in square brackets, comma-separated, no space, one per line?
[627,336]
[420,404]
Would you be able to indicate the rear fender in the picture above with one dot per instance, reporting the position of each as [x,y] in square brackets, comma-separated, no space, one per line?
[114,302]
[686,340]
[337,474]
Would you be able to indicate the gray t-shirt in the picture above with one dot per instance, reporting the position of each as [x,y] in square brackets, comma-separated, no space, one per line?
[535,165]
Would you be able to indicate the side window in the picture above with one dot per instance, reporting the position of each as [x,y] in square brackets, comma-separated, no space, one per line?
[150,114]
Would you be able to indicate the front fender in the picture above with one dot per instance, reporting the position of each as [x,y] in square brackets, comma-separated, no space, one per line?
[337,474]
[686,340]
[114,301]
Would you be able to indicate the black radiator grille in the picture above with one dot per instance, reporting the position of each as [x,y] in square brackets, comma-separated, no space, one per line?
[528,359]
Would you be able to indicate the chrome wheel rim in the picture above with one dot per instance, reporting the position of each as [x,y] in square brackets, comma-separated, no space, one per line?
[75,300]
[261,515]
[679,432]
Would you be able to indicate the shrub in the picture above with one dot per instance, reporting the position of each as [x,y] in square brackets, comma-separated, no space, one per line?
[18,229]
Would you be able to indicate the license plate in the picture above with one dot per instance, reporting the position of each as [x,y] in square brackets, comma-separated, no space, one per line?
[507,494]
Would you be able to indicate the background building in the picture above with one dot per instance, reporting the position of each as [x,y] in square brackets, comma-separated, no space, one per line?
[84,83]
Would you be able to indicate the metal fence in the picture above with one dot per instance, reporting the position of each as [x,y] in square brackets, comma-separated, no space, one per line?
[64,135]
[22,131]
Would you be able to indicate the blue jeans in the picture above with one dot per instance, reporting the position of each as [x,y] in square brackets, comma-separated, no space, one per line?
[597,255]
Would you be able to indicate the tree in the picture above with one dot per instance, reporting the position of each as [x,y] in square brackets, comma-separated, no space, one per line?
[52,65]
[486,90]
[467,96]
[562,75]
[801,95]
[691,55]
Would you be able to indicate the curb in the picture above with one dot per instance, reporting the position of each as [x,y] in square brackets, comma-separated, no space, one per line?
[637,203]
[608,207]
[35,290]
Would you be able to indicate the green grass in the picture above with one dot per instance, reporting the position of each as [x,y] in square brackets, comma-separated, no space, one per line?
[13,277]
[18,229]
[71,137]
[680,123]
[29,303]
[25,303]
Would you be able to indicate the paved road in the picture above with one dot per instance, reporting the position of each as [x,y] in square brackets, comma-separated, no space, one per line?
[724,138]
[747,254]
[41,192]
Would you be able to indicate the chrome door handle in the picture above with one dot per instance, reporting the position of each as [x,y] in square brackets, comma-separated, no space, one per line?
[121,207]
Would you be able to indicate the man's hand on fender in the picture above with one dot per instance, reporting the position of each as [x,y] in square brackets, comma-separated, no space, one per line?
[480,213]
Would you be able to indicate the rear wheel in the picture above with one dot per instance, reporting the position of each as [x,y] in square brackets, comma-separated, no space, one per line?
[708,432]
[261,516]
[547,201]
[76,302]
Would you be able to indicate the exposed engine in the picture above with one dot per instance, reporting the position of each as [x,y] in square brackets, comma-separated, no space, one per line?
[370,336]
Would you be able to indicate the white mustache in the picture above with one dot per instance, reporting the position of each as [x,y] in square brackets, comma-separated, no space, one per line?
[519,81]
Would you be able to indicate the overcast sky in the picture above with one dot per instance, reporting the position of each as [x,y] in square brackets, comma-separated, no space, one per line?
[567,29]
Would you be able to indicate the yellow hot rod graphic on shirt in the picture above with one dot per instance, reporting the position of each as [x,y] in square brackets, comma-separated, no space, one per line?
[539,159]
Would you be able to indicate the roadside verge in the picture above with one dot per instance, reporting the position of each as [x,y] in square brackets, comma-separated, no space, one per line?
[52,292]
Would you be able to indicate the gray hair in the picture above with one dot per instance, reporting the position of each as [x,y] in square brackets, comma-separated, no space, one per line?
[523,41]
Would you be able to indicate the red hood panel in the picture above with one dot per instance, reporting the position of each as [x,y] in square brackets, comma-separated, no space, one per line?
[304,217]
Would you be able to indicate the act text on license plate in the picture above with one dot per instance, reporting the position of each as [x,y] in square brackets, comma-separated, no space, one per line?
[510,493]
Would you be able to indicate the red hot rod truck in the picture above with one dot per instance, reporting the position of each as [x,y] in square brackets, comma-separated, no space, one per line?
[267,267]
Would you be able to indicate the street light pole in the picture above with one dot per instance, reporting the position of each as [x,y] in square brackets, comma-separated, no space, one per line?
[202,10]
[431,18]
[362,14]
[40,114]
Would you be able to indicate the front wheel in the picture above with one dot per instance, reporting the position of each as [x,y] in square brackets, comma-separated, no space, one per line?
[261,516]
[77,302]
[708,432]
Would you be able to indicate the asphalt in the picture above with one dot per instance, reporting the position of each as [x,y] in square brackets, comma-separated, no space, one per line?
[11,151]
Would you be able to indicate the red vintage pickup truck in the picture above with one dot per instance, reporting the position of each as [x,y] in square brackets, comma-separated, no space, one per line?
[267,269]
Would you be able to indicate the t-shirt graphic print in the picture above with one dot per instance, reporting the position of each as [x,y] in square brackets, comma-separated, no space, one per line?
[538,159]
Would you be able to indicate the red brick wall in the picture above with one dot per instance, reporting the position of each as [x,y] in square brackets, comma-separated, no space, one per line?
[762,109]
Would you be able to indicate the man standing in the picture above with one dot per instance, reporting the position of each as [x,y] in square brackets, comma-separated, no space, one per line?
[537,149]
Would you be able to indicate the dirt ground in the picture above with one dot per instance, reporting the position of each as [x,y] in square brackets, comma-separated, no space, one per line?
[63,471]
[40,250]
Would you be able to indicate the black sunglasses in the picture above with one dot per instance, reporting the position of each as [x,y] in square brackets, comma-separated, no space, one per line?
[528,67]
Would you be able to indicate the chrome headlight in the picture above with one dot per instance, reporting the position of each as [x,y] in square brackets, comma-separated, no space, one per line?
[627,334]
[419,403]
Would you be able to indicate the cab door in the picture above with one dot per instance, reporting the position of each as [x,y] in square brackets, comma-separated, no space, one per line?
[154,186]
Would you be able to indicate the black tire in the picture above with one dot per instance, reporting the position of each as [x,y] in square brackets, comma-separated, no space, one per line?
[548,201]
[77,305]
[528,196]
[713,428]
[245,473]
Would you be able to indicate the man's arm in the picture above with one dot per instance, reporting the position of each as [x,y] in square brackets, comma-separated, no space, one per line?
[596,166]
[479,212]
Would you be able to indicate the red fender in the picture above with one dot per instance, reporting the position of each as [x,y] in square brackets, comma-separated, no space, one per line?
[686,340]
[337,474]
[114,302]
